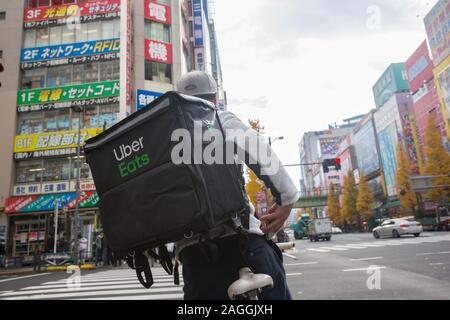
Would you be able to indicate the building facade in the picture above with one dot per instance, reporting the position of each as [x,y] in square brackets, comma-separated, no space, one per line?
[109,57]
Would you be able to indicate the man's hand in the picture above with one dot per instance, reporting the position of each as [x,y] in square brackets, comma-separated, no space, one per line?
[275,219]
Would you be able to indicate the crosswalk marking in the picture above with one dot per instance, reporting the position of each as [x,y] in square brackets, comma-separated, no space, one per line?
[119,284]
[380,244]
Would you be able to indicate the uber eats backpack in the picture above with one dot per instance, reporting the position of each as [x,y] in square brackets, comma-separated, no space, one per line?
[147,201]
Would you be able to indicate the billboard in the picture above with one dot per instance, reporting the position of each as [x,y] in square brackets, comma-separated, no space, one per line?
[197,13]
[437,25]
[52,187]
[329,146]
[68,14]
[64,97]
[419,68]
[158,51]
[366,149]
[52,140]
[389,127]
[444,85]
[125,63]
[393,80]
[157,12]
[88,199]
[388,141]
[144,98]
[71,53]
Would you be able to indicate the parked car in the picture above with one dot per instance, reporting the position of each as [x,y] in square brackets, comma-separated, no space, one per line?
[397,227]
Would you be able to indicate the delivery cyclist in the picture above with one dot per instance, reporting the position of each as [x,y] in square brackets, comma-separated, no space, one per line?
[208,273]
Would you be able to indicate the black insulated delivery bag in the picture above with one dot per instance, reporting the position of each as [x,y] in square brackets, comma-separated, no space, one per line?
[145,199]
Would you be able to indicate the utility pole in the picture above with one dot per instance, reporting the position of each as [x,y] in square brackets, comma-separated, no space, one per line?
[79,110]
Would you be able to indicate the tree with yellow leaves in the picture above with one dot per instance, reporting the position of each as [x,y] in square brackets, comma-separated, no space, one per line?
[334,208]
[349,212]
[437,162]
[366,199]
[402,180]
[254,185]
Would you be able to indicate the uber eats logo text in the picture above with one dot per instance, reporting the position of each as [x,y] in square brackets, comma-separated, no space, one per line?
[128,163]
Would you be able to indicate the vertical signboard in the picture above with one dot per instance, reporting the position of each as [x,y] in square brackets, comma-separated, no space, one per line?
[157,12]
[144,98]
[125,59]
[197,13]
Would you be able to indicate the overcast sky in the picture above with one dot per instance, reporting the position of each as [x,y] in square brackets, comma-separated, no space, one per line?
[299,65]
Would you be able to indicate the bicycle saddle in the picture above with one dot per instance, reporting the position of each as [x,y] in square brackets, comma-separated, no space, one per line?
[249,284]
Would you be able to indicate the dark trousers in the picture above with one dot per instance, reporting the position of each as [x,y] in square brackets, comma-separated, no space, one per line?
[209,280]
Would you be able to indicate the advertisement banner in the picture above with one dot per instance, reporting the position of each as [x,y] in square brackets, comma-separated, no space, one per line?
[144,98]
[444,84]
[52,187]
[158,51]
[366,149]
[437,25]
[70,14]
[388,142]
[197,13]
[52,140]
[72,53]
[157,12]
[329,146]
[46,203]
[65,97]
[419,68]
[126,30]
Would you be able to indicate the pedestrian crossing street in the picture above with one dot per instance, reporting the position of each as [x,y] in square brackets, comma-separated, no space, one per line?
[117,284]
[380,243]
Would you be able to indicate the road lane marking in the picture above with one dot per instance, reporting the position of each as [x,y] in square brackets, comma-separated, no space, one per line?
[363,269]
[293,274]
[350,246]
[334,248]
[439,263]
[70,295]
[25,277]
[432,253]
[318,250]
[301,264]
[176,296]
[367,259]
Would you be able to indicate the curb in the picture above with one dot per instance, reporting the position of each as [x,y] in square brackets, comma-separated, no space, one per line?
[51,269]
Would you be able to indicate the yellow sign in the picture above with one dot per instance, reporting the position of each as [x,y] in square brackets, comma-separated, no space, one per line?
[52,140]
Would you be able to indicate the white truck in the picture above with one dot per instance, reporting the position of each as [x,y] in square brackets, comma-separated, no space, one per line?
[319,229]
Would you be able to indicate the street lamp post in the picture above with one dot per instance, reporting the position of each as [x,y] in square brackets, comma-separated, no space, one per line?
[75,222]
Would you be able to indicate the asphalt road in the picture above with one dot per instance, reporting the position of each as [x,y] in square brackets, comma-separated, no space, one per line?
[355,267]
[408,268]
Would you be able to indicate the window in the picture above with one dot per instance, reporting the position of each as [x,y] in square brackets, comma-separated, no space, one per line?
[81,33]
[59,76]
[91,72]
[108,116]
[55,35]
[30,123]
[57,120]
[90,117]
[29,171]
[78,73]
[56,170]
[159,72]
[30,39]
[94,31]
[85,171]
[33,79]
[2,15]
[42,37]
[68,34]
[157,31]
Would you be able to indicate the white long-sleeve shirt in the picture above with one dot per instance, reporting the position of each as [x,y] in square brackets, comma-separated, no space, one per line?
[266,165]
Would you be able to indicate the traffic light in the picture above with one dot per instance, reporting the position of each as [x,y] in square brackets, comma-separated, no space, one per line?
[327,163]
[337,164]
